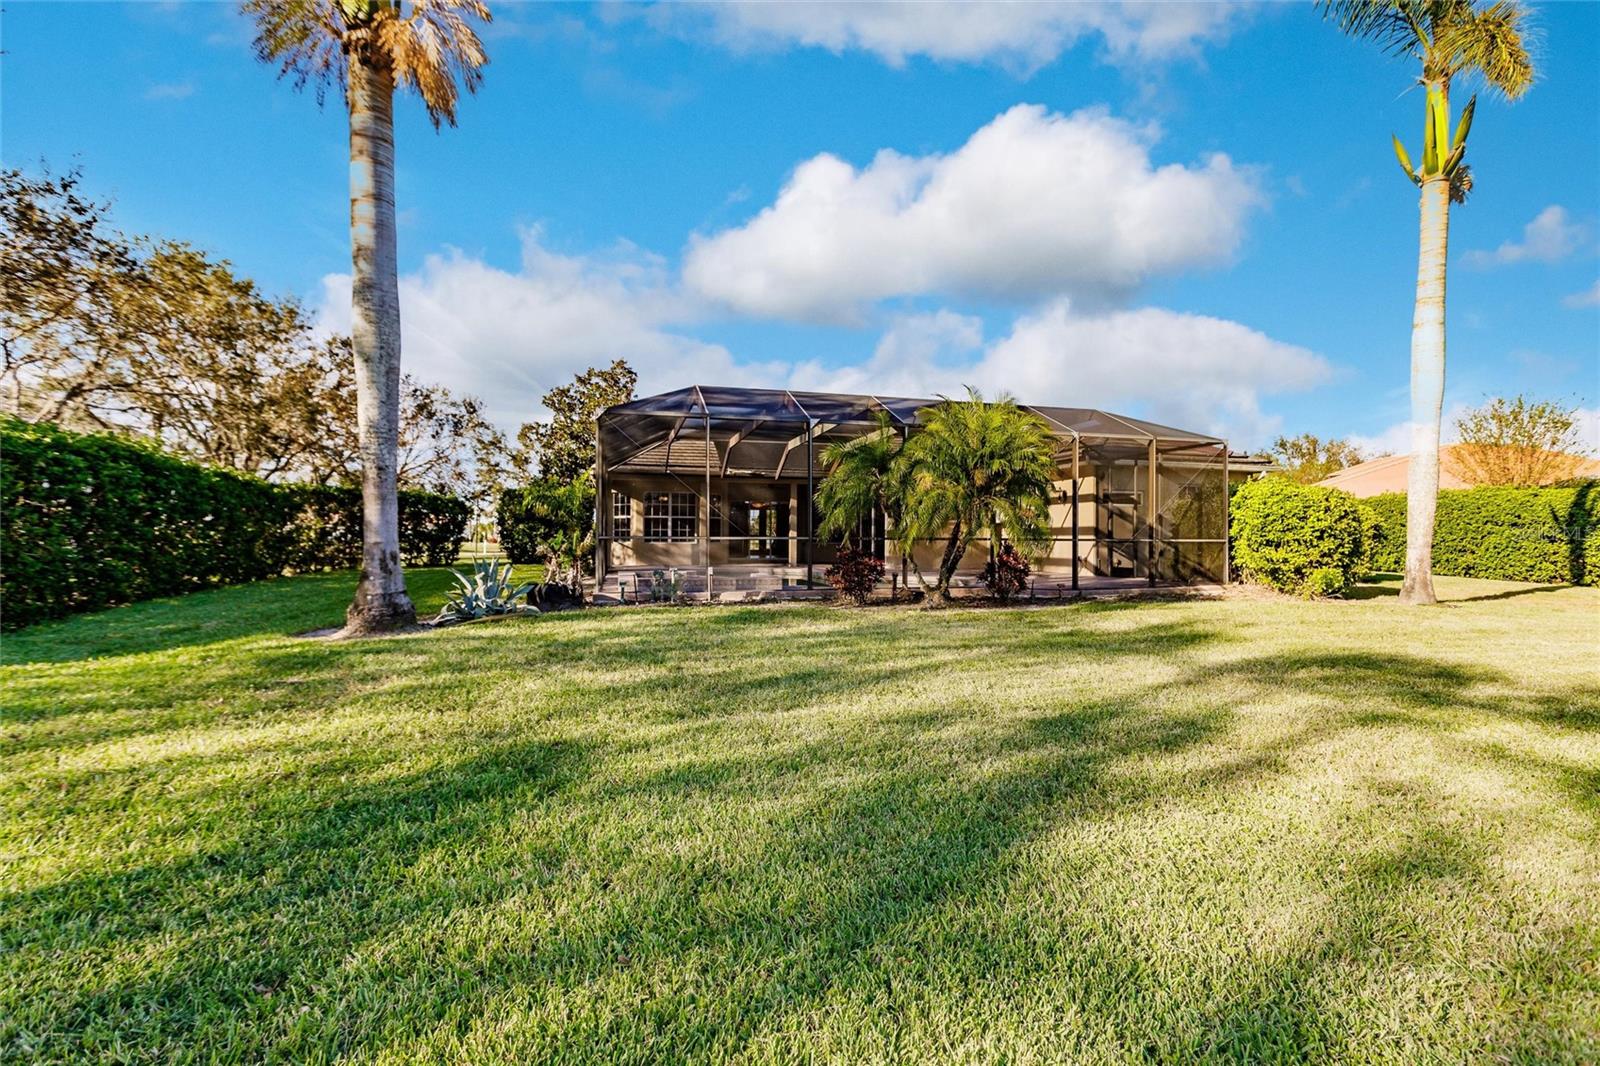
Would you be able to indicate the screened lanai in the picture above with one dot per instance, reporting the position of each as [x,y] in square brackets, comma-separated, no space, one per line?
[718,483]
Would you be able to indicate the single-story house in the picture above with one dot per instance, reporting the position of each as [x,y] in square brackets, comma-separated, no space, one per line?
[718,483]
[1388,474]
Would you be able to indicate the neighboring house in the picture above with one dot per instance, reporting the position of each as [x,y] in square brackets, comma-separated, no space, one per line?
[1389,474]
[718,481]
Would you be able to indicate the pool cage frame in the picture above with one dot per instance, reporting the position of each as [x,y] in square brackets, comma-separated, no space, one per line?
[701,436]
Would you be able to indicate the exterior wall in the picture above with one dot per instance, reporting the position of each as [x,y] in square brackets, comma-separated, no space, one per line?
[637,551]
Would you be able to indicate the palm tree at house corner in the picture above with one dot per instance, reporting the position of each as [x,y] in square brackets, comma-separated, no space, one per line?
[367,48]
[1450,38]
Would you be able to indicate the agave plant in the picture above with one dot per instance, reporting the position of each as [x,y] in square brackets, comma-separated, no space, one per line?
[487,591]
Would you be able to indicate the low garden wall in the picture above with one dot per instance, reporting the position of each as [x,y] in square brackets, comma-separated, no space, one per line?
[93,520]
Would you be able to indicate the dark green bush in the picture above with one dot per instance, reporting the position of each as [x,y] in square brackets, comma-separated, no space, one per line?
[1508,534]
[549,521]
[1300,539]
[92,520]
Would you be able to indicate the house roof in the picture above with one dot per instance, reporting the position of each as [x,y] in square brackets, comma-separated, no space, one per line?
[1389,474]
[722,403]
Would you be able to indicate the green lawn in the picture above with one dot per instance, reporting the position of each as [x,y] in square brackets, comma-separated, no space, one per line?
[1248,830]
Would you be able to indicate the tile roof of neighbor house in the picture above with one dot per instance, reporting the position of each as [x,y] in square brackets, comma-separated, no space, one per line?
[1389,474]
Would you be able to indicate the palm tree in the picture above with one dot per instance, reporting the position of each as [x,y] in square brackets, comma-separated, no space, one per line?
[857,483]
[974,468]
[368,47]
[1450,38]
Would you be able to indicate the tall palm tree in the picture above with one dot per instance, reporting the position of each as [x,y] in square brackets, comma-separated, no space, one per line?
[368,47]
[974,468]
[1450,38]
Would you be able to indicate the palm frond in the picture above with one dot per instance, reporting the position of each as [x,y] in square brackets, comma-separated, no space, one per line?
[1490,42]
[1398,26]
[431,49]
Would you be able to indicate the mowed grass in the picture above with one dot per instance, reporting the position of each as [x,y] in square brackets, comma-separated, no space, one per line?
[1243,830]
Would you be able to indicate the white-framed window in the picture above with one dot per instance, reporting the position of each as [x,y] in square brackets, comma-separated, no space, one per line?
[671,516]
[621,515]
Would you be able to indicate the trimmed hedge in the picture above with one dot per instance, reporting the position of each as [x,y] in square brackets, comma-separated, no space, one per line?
[1300,539]
[92,520]
[1546,535]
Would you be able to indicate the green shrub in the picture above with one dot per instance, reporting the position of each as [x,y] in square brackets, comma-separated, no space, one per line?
[550,522]
[1508,534]
[1300,539]
[92,520]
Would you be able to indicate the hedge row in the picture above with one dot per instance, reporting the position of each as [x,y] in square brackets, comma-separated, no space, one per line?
[1548,535]
[92,520]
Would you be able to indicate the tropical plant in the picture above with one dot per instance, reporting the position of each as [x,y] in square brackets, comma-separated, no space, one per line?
[666,586]
[551,522]
[1450,38]
[1007,573]
[855,574]
[367,47]
[487,590]
[857,484]
[974,468]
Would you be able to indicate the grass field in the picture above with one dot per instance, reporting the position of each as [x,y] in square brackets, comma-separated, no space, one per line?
[1243,830]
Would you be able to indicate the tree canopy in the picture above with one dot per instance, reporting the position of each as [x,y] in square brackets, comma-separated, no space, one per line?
[1307,458]
[563,447]
[1518,442]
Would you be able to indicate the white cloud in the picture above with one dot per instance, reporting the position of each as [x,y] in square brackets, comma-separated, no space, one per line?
[1396,439]
[180,90]
[1589,297]
[1034,204]
[1551,236]
[1192,371]
[507,337]
[1020,36]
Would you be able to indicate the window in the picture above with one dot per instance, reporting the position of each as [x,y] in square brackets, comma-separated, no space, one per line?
[621,515]
[671,516]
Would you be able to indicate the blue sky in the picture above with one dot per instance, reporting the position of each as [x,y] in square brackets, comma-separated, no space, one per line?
[1188,212]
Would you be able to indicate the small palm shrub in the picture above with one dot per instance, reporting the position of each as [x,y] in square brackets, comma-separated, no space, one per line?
[1301,539]
[666,586]
[487,591]
[855,574]
[1007,573]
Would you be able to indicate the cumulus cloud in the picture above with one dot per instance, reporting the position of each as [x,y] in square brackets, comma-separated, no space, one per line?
[507,336]
[1019,36]
[1551,236]
[1192,371]
[1589,297]
[1034,204]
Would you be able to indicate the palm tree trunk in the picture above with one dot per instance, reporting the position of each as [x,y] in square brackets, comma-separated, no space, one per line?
[954,548]
[1427,392]
[381,602]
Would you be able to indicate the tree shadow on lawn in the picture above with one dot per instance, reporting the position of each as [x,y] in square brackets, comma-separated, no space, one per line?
[1388,586]
[781,875]
[277,607]
[340,868]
